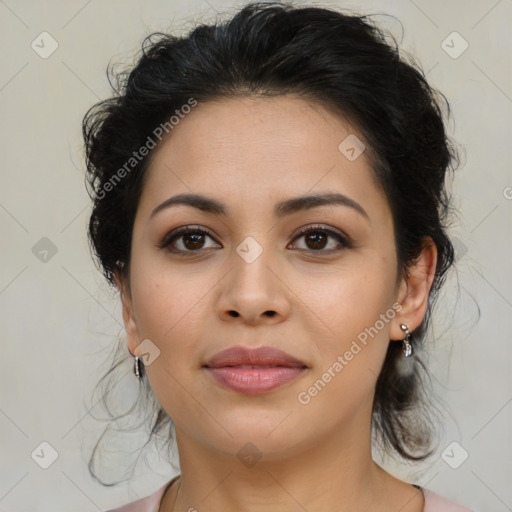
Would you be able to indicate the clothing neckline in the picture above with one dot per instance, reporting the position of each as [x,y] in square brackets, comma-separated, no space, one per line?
[423,494]
[169,485]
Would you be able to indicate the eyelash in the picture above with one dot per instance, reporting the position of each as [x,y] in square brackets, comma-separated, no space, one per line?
[344,240]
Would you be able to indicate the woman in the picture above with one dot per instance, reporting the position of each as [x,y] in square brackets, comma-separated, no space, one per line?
[269,199]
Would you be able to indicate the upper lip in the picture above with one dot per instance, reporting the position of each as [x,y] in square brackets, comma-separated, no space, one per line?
[259,356]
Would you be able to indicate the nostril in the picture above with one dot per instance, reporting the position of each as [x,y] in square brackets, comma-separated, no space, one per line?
[270,313]
[234,313]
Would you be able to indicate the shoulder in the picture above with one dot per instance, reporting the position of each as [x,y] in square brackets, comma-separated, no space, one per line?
[436,503]
[147,504]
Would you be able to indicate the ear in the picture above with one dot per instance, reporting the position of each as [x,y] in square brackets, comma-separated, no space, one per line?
[414,291]
[130,324]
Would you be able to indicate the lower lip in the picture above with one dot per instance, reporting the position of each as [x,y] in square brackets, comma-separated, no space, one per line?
[253,381]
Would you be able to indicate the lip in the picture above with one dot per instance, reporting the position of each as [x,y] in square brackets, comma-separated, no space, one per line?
[258,356]
[254,370]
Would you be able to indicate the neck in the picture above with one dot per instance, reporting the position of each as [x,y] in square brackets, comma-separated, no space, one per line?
[336,474]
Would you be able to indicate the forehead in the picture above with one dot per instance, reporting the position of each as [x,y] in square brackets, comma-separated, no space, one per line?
[254,149]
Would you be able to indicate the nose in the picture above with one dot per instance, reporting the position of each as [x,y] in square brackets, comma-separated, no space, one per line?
[253,293]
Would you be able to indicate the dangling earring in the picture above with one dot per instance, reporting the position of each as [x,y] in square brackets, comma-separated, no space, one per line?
[137,369]
[407,347]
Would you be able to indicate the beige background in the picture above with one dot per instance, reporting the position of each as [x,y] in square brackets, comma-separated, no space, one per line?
[59,318]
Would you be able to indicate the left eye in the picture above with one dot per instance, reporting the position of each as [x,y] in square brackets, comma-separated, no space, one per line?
[316,239]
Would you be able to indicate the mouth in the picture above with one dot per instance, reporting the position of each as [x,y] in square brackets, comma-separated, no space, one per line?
[254,371]
[265,356]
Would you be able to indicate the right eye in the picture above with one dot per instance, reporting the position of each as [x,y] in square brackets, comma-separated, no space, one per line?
[186,239]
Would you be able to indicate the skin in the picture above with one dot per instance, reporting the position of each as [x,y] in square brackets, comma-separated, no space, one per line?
[250,153]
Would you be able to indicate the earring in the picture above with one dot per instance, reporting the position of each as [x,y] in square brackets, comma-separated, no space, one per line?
[407,347]
[138,367]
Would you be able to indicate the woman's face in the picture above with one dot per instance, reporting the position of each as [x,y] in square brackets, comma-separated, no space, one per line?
[251,279]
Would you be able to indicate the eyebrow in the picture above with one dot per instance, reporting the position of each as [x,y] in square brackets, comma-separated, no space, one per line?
[281,209]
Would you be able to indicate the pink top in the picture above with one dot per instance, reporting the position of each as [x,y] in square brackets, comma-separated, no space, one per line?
[151,503]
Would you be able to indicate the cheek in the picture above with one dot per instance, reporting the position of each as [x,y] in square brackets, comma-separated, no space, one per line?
[351,347]
[164,298]
[166,314]
[355,309]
